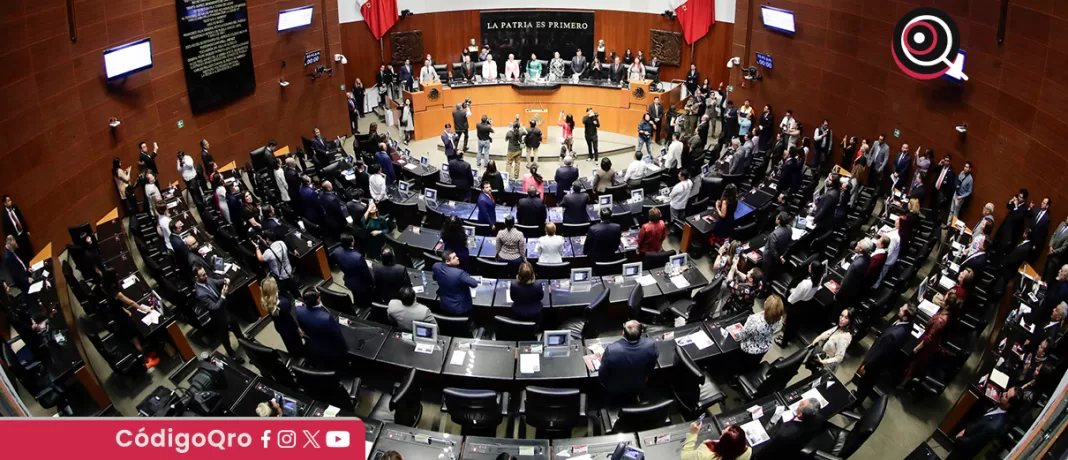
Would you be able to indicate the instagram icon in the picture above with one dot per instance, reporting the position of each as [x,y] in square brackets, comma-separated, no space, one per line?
[287,439]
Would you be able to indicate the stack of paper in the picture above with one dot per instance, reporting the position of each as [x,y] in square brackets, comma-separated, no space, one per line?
[529,363]
[151,318]
[646,280]
[680,282]
[331,411]
[701,340]
[755,433]
[946,282]
[458,358]
[928,308]
[999,378]
[37,266]
[36,287]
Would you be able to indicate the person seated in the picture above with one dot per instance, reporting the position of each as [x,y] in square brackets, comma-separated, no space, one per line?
[531,209]
[454,285]
[404,309]
[992,425]
[389,277]
[574,205]
[730,446]
[756,335]
[626,364]
[527,294]
[792,436]
[603,239]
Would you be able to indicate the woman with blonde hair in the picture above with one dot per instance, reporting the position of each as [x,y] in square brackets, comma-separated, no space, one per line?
[551,246]
[756,336]
[280,308]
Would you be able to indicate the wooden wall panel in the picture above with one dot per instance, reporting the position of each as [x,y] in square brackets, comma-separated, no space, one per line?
[1014,102]
[55,104]
[445,35]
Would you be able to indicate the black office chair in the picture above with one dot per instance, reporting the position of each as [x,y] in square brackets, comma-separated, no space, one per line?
[406,405]
[647,316]
[434,218]
[699,307]
[337,301]
[481,229]
[531,231]
[405,214]
[614,267]
[645,416]
[594,319]
[838,442]
[326,386]
[651,260]
[478,412]
[401,252]
[574,229]
[769,378]
[493,269]
[651,184]
[271,363]
[33,376]
[513,330]
[548,271]
[619,193]
[447,192]
[693,388]
[454,326]
[379,313]
[430,258]
[552,411]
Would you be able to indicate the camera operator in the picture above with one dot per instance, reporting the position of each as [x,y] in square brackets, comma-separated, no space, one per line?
[274,252]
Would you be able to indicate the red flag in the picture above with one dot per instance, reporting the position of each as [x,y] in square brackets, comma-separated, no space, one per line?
[380,15]
[695,16]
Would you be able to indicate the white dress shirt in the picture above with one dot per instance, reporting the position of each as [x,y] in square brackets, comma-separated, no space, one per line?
[186,168]
[680,194]
[280,181]
[674,155]
[636,170]
[165,230]
[377,183]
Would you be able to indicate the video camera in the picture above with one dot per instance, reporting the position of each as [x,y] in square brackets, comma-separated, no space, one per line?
[467,102]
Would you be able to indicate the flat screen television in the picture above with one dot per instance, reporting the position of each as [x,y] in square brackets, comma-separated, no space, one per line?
[294,18]
[124,60]
[778,19]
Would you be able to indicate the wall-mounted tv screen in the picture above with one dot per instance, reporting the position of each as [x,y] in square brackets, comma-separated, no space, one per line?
[294,18]
[124,60]
[777,19]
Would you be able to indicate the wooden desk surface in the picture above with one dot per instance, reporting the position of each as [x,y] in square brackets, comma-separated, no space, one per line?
[1027,270]
[228,166]
[114,214]
[45,254]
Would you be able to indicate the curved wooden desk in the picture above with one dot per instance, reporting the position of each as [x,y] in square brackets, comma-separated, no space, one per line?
[620,109]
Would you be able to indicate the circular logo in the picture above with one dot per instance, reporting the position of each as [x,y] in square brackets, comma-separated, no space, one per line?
[434,94]
[639,93]
[925,43]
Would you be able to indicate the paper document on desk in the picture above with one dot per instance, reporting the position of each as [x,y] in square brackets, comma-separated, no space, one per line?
[331,411]
[36,287]
[885,229]
[946,282]
[129,281]
[813,393]
[37,266]
[458,358]
[957,246]
[701,340]
[917,330]
[928,308]
[151,318]
[529,363]
[796,233]
[418,289]
[680,282]
[581,457]
[755,433]
[1000,379]
[646,280]
[953,267]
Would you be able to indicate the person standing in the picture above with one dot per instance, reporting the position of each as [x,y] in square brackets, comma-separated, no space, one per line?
[326,347]
[878,156]
[652,233]
[774,252]
[962,193]
[511,245]
[645,134]
[944,186]
[283,316]
[766,123]
[567,129]
[211,295]
[460,173]
[574,205]
[358,277]
[489,69]
[514,138]
[789,440]
[467,71]
[531,210]
[354,113]
[1039,227]
[992,425]
[756,336]
[484,133]
[459,121]
[403,310]
[578,65]
[591,122]
[527,294]
[823,140]
[692,77]
[680,195]
[551,246]
[534,68]
[407,76]
[656,117]
[556,68]
[883,354]
[532,141]
[627,364]
[617,72]
[428,74]
[603,238]
[276,255]
[17,269]
[407,120]
[16,226]
[511,68]
[454,285]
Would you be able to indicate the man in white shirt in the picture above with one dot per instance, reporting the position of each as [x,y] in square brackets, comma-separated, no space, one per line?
[823,142]
[489,69]
[891,251]
[787,125]
[428,75]
[673,160]
[377,182]
[636,170]
[680,195]
[186,169]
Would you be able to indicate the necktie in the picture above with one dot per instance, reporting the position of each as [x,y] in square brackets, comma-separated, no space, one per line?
[15,219]
[1040,214]
[941,177]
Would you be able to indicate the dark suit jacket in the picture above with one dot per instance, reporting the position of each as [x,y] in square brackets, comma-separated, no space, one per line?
[388,281]
[789,439]
[1056,292]
[406,75]
[1016,257]
[853,281]
[949,184]
[293,182]
[319,144]
[209,298]
[205,158]
[574,205]
[467,71]
[181,254]
[790,177]
[531,211]
[1039,231]
[357,276]
[616,72]
[454,288]
[977,434]
[459,120]
[17,270]
[383,160]
[625,365]
[9,225]
[565,178]
[313,211]
[460,173]
[887,347]
[902,166]
[656,111]
[824,216]
[449,141]
[325,343]
[333,216]
[976,262]
[602,242]
[487,209]
[778,242]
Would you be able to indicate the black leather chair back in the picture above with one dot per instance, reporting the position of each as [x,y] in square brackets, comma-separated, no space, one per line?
[434,218]
[552,271]
[379,313]
[686,379]
[651,184]
[651,260]
[481,229]
[429,259]
[453,326]
[337,301]
[513,330]
[492,268]
[406,404]
[781,371]
[574,229]
[554,409]
[619,192]
[405,214]
[447,192]
[472,409]
[614,267]
[531,231]
[269,362]
[635,299]
[596,315]
[643,417]
[323,386]
[704,302]
[864,428]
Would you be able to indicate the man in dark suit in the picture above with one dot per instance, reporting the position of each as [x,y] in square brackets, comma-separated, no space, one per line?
[626,364]
[944,186]
[487,208]
[692,79]
[386,162]
[292,176]
[309,198]
[454,285]
[1039,227]
[977,434]
[616,71]
[878,259]
[1015,221]
[565,176]
[792,436]
[211,295]
[467,69]
[852,284]
[205,155]
[448,139]
[333,214]
[574,205]
[459,121]
[656,115]
[823,218]
[178,247]
[603,239]
[406,77]
[1017,256]
[193,258]
[902,166]
[358,277]
[16,225]
[146,159]
[389,277]
[16,267]
[1056,292]
[354,112]
[977,261]
[790,175]
[531,209]
[884,353]
[1058,247]
[320,147]
[774,252]
[460,172]
[326,347]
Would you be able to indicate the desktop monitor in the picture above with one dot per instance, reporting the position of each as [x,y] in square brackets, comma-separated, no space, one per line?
[124,60]
[424,332]
[778,19]
[678,260]
[604,200]
[404,185]
[637,196]
[295,18]
[423,161]
[704,170]
[581,275]
[431,195]
[445,167]
[632,270]
[469,231]
[557,339]
[742,210]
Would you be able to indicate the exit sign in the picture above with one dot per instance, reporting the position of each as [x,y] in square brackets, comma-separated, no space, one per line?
[343,87]
[181,124]
[897,132]
[730,89]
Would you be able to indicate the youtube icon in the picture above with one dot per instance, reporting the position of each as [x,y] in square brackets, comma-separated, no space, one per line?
[339,439]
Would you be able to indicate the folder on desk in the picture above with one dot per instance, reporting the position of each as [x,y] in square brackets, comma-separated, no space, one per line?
[529,363]
[755,433]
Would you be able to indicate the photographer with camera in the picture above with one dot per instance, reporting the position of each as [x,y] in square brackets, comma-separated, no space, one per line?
[272,250]
[484,132]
